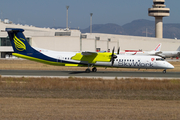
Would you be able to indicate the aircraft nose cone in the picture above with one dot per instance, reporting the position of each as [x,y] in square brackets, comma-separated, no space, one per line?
[170,66]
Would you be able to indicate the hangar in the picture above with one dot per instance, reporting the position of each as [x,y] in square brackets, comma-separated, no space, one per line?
[74,40]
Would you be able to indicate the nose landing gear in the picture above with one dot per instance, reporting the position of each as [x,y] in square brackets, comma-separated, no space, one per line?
[164,71]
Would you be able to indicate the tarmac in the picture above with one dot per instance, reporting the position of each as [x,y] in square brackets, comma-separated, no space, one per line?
[82,74]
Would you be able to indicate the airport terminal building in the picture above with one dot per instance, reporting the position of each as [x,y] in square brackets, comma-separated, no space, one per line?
[74,40]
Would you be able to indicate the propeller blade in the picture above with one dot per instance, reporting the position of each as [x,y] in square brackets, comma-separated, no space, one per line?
[113,51]
[112,54]
[113,57]
[112,63]
[118,51]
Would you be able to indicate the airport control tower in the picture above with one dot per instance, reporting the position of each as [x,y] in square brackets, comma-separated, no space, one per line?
[159,11]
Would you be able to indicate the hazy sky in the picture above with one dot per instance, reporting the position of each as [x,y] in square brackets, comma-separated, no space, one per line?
[49,13]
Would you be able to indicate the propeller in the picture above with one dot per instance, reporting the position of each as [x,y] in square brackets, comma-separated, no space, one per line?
[113,57]
[118,51]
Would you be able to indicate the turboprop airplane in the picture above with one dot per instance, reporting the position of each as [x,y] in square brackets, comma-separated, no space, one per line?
[22,49]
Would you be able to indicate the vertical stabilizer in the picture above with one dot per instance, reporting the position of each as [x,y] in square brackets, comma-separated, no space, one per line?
[178,49]
[158,48]
[18,41]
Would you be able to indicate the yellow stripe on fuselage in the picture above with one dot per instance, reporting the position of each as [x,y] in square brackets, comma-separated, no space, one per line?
[38,60]
[73,65]
[46,61]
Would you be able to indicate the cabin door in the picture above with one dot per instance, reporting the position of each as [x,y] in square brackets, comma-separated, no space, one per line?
[59,59]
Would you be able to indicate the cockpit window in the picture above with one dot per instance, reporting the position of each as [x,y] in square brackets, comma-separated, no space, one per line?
[159,59]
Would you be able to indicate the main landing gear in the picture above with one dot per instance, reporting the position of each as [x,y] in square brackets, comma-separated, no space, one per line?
[93,70]
[87,70]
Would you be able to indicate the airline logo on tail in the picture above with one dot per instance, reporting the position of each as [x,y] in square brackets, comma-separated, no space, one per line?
[19,45]
[158,48]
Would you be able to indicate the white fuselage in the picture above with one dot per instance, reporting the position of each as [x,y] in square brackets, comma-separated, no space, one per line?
[122,61]
[141,62]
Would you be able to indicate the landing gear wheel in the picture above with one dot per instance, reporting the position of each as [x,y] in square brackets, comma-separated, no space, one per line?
[164,71]
[94,69]
[87,70]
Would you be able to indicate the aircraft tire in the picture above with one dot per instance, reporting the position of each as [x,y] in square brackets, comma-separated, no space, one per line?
[94,69]
[164,71]
[87,70]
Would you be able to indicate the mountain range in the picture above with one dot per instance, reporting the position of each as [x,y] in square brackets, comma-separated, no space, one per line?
[139,27]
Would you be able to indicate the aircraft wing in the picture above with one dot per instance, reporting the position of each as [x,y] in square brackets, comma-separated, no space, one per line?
[157,53]
[89,53]
[93,57]
[160,54]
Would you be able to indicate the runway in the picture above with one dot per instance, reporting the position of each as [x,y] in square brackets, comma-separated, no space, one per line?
[99,74]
